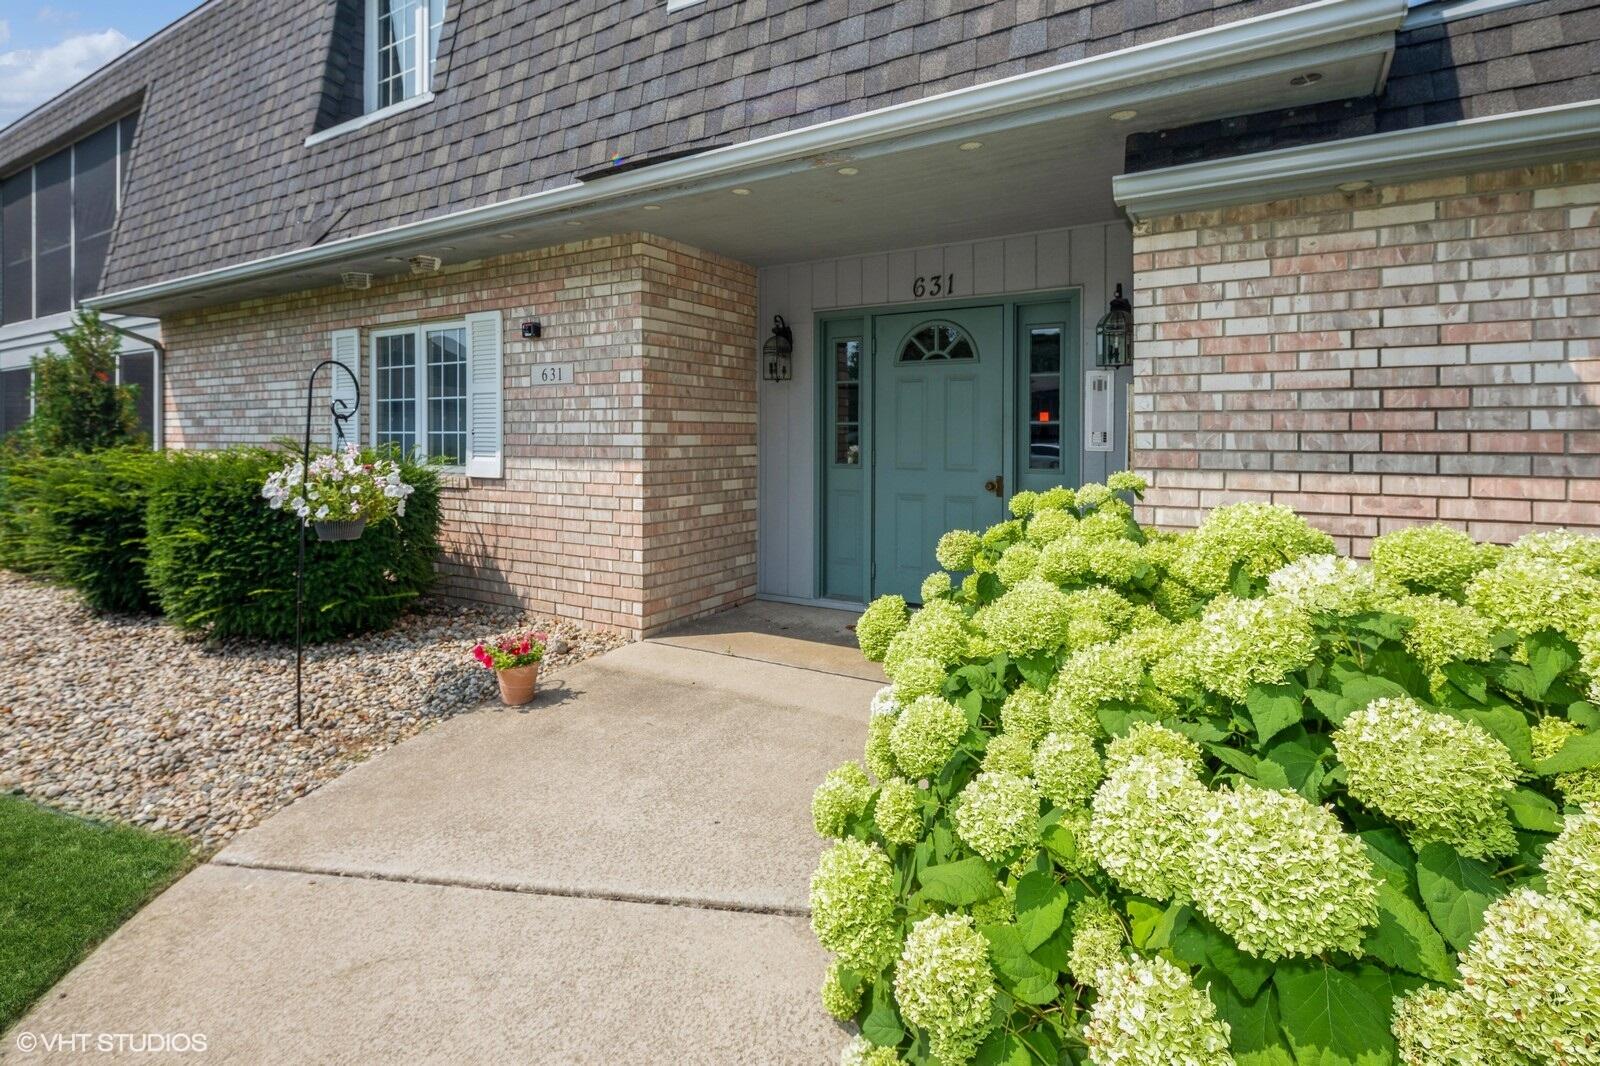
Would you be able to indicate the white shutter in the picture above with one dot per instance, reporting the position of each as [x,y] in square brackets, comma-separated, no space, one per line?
[1098,415]
[346,348]
[484,415]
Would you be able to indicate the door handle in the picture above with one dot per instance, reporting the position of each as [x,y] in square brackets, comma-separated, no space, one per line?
[996,485]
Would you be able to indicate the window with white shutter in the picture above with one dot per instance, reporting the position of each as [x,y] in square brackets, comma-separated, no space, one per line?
[346,348]
[484,386]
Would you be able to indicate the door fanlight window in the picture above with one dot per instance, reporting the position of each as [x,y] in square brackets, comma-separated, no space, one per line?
[938,341]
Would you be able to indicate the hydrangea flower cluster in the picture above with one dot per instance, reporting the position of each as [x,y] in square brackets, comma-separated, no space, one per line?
[1247,642]
[925,735]
[1527,593]
[957,549]
[939,631]
[1100,673]
[879,624]
[1025,713]
[862,1052]
[997,815]
[838,998]
[935,586]
[1577,551]
[1096,615]
[853,905]
[1010,754]
[339,487]
[1260,537]
[1431,558]
[880,726]
[1016,564]
[1150,1014]
[1443,631]
[1048,527]
[1533,974]
[944,984]
[899,811]
[1096,940]
[1439,1027]
[1280,875]
[1443,778]
[844,794]
[1067,768]
[1572,863]
[1152,739]
[1142,821]
[1325,583]
[1028,618]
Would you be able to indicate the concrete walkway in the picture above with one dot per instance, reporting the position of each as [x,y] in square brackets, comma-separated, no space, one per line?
[616,873]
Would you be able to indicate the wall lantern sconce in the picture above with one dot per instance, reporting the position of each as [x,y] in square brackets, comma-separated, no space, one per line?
[1113,336]
[776,353]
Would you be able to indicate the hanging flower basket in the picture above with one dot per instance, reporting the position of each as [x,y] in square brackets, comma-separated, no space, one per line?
[339,493]
[350,530]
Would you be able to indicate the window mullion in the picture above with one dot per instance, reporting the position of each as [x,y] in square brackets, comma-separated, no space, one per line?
[422,389]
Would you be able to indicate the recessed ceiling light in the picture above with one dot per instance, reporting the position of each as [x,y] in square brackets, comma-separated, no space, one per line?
[447,247]
[573,222]
[741,192]
[1123,115]
[970,146]
[1353,186]
[1308,78]
[849,172]
[652,207]
[393,259]
[505,236]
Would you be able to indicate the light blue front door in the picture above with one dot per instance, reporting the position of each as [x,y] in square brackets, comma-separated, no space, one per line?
[939,445]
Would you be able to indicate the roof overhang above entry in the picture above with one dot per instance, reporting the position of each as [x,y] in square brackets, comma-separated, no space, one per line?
[1050,149]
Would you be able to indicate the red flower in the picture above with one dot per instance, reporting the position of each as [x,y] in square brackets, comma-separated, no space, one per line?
[542,637]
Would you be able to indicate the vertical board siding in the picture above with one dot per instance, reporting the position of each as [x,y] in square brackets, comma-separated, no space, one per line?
[1091,258]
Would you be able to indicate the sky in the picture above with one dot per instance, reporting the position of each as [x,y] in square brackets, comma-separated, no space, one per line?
[45,47]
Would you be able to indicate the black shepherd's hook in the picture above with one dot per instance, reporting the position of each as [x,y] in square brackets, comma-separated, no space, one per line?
[342,412]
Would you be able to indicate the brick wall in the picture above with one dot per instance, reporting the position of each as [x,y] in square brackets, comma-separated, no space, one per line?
[1407,353]
[628,499]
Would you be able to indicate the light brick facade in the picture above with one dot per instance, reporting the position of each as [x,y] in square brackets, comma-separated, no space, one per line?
[1418,352]
[629,497]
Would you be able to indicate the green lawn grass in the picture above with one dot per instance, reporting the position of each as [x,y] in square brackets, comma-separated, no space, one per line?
[65,884]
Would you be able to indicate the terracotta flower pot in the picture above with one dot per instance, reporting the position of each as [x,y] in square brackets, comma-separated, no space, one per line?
[350,530]
[518,685]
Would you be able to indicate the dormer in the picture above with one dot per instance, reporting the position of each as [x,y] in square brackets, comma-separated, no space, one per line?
[381,59]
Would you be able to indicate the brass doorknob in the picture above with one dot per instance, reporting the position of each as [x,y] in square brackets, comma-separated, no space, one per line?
[996,485]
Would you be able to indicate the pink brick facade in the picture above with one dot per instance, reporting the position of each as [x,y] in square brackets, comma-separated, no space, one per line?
[1417,352]
[628,500]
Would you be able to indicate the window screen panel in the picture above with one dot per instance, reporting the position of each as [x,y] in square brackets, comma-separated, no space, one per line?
[94,206]
[15,407]
[16,247]
[53,234]
[138,369]
[395,406]
[447,395]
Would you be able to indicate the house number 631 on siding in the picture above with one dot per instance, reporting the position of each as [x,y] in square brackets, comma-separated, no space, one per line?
[553,374]
[931,285]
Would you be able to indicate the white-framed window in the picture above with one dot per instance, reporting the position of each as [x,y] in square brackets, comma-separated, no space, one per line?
[419,390]
[402,42]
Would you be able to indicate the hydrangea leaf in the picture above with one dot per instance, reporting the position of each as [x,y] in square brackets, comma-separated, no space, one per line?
[1003,1048]
[882,1023]
[1579,753]
[1391,857]
[1199,943]
[961,883]
[1329,1019]
[1364,688]
[1301,763]
[1469,679]
[1041,904]
[1143,919]
[1274,708]
[1405,939]
[1039,670]
[1116,721]
[1549,656]
[1585,714]
[1021,974]
[1240,761]
[1253,1033]
[1059,841]
[1334,706]
[1055,952]
[1456,890]
[1515,678]
[1533,811]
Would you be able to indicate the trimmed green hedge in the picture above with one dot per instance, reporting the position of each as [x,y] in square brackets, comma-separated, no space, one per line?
[81,520]
[222,561]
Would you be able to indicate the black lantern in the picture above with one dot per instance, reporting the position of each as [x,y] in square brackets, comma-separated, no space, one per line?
[776,352]
[1113,337]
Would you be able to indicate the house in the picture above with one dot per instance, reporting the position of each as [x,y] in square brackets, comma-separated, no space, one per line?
[706,299]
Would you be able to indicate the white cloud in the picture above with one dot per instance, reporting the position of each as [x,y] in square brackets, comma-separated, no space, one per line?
[30,76]
[5,32]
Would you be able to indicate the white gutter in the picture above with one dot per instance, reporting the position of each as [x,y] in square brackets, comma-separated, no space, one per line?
[1522,138]
[1320,24]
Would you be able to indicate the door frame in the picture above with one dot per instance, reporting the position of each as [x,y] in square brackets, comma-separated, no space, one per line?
[1011,304]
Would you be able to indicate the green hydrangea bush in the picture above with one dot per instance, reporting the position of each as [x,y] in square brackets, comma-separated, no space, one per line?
[1222,796]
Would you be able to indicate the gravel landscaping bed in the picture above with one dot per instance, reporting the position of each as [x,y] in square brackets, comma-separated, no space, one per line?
[132,718]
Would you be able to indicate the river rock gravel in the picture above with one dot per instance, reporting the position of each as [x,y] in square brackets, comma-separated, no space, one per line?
[133,719]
